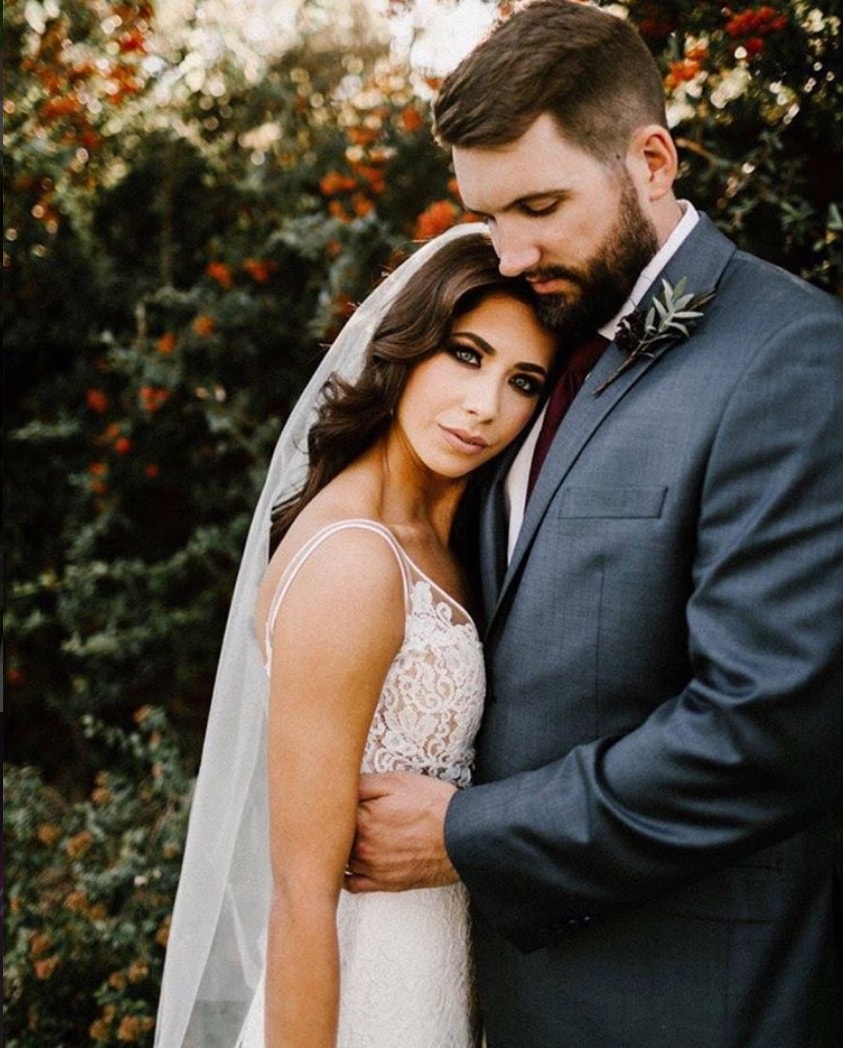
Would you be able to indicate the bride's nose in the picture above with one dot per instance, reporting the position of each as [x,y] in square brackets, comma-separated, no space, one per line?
[481,398]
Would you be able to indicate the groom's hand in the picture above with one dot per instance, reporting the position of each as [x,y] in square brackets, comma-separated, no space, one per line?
[399,841]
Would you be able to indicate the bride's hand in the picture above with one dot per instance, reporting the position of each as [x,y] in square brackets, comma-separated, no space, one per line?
[399,842]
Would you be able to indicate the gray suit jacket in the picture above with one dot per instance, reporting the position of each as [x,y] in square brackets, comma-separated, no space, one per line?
[648,845]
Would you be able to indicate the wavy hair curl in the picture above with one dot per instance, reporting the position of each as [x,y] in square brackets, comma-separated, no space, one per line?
[353,415]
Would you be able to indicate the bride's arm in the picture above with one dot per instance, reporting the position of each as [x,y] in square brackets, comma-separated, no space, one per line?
[339,627]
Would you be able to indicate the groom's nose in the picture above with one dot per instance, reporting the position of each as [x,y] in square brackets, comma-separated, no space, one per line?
[516,253]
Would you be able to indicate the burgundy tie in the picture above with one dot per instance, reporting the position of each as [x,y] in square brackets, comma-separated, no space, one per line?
[579,363]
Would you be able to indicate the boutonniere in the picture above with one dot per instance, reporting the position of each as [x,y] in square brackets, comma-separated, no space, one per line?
[672,316]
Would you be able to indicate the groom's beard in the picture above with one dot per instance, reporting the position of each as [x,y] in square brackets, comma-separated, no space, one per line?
[605,282]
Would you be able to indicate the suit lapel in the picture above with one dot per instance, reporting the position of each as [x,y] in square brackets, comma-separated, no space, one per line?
[493,528]
[701,258]
[493,545]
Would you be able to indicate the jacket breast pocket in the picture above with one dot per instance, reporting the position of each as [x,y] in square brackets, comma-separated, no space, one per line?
[738,893]
[611,502]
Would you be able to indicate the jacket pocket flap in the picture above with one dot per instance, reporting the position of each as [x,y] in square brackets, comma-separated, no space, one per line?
[611,502]
[739,893]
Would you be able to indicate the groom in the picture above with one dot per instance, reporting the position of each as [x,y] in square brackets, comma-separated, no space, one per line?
[649,843]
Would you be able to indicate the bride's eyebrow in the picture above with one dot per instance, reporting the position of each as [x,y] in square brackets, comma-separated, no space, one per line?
[484,346]
[480,343]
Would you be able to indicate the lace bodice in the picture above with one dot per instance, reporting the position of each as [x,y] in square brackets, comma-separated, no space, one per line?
[431,702]
[405,960]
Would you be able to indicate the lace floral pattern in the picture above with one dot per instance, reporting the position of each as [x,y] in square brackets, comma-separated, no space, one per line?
[431,704]
[406,966]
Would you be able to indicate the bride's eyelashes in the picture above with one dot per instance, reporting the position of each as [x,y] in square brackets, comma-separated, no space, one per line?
[528,384]
[464,354]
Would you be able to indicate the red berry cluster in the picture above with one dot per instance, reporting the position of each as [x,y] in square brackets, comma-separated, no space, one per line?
[752,25]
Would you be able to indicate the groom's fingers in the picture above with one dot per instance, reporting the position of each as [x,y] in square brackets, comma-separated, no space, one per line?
[374,784]
[363,875]
[358,883]
[374,869]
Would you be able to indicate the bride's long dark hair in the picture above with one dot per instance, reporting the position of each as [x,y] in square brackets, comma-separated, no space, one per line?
[353,415]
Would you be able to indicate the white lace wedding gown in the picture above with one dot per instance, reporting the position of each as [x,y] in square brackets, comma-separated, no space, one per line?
[405,963]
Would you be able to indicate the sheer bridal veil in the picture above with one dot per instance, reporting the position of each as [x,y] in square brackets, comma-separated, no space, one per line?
[215,953]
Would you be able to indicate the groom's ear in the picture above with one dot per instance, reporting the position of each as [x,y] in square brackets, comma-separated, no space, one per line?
[653,161]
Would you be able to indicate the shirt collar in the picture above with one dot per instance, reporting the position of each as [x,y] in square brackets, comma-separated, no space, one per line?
[686,223]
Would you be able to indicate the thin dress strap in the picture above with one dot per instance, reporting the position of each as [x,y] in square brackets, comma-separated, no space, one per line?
[290,572]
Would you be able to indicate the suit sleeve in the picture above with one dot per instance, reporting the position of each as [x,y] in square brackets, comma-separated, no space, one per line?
[748,753]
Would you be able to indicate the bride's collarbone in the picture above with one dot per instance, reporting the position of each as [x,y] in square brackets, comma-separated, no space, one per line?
[426,552]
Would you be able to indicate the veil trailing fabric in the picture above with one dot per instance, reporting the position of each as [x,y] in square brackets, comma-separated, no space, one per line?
[215,953]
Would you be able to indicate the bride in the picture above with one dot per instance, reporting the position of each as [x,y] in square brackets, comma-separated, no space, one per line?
[362,627]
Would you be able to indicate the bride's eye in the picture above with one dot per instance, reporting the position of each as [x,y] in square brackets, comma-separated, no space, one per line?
[528,384]
[464,354]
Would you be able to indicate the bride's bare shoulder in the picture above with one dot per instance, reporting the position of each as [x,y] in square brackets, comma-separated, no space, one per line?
[351,559]
[335,506]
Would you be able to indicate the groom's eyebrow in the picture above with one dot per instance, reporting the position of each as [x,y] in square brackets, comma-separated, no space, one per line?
[526,199]
[558,193]
[531,198]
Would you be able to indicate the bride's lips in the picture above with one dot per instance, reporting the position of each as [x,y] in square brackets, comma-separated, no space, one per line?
[463,440]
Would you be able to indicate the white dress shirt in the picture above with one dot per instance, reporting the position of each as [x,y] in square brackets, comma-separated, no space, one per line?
[516,483]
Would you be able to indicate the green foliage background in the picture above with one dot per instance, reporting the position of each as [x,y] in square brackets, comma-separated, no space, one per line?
[182,235]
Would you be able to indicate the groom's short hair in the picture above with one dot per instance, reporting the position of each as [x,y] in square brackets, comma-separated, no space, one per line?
[589,69]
